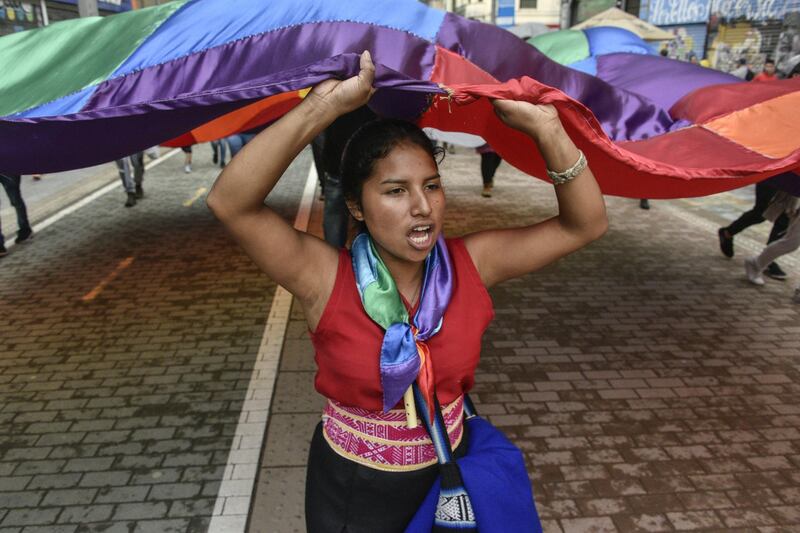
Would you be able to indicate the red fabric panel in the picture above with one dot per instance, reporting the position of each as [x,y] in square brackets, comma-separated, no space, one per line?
[708,103]
[684,163]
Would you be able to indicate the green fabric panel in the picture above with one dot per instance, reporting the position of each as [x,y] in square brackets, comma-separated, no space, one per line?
[563,46]
[47,63]
[381,299]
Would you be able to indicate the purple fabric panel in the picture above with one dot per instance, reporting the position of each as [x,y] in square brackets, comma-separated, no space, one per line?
[400,363]
[623,114]
[252,59]
[437,289]
[92,137]
[659,79]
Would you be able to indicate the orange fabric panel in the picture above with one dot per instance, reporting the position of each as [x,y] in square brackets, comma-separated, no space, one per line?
[243,119]
[247,117]
[769,128]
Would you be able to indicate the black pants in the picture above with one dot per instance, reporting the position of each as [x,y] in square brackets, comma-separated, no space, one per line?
[489,163]
[345,497]
[764,195]
[11,183]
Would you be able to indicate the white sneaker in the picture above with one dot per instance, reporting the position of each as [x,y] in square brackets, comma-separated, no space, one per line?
[796,297]
[752,272]
[187,169]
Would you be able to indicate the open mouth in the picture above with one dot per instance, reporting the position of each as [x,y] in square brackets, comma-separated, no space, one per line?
[421,236]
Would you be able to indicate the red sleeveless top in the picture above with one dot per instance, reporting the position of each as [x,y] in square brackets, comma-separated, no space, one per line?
[348,343]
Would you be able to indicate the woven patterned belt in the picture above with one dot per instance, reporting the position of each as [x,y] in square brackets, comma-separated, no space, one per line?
[383,440]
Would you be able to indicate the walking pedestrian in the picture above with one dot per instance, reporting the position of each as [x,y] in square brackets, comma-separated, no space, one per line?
[490,160]
[11,184]
[742,70]
[401,291]
[769,73]
[335,217]
[219,149]
[765,192]
[784,204]
[131,172]
[187,158]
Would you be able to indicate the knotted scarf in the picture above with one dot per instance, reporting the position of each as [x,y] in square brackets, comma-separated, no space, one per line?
[404,352]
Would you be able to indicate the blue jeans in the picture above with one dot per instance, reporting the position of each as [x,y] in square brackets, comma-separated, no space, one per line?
[11,185]
[334,216]
[237,142]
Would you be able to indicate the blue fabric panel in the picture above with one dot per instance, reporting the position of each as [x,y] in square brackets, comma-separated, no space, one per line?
[588,65]
[72,103]
[609,40]
[185,32]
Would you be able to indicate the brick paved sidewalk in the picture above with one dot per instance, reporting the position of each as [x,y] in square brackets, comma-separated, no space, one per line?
[649,385]
[117,413]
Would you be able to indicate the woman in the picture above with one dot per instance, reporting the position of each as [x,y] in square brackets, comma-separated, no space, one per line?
[369,470]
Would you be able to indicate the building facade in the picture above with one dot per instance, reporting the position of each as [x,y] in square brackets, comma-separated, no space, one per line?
[510,12]
[726,31]
[19,15]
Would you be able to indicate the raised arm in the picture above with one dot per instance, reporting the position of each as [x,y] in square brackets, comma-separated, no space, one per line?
[303,264]
[509,253]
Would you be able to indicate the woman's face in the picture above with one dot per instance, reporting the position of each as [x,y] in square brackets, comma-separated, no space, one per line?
[403,204]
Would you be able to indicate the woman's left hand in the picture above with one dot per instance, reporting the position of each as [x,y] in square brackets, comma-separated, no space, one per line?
[526,117]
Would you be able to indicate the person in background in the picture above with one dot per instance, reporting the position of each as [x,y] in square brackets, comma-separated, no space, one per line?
[219,149]
[11,183]
[783,205]
[187,158]
[490,160]
[769,73]
[153,153]
[742,70]
[335,216]
[131,172]
[765,193]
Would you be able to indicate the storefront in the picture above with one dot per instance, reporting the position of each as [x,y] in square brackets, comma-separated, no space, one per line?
[754,30]
[19,16]
[686,19]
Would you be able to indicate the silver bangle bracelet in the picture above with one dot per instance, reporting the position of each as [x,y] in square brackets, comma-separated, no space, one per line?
[559,178]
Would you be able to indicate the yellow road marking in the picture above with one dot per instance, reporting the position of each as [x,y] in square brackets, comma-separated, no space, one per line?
[200,192]
[92,294]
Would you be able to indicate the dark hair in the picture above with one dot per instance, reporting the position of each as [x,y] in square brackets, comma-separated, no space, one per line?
[769,60]
[742,61]
[373,141]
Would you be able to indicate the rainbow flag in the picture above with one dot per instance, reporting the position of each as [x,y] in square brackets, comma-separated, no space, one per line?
[86,91]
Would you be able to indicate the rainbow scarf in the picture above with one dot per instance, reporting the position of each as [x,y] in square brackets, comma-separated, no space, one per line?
[405,356]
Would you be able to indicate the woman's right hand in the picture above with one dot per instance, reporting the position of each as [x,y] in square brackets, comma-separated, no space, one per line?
[342,97]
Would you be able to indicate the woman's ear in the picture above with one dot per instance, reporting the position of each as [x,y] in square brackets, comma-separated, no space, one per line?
[355,210]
